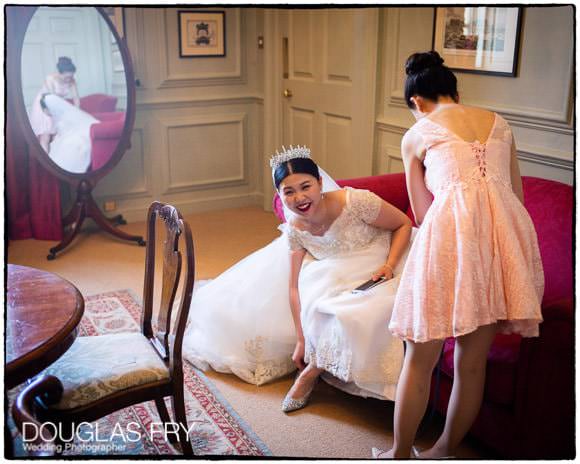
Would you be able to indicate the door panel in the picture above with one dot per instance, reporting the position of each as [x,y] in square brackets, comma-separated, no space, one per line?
[330,72]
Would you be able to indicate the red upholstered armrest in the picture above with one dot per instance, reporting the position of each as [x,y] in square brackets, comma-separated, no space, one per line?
[110,116]
[107,129]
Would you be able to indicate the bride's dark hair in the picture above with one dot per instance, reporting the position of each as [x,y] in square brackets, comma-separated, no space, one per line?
[429,78]
[295,166]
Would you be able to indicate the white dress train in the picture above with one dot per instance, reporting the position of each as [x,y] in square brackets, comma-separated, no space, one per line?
[241,322]
[71,146]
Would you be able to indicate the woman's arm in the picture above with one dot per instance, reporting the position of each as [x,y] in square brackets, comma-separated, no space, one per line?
[50,84]
[296,258]
[515,173]
[75,95]
[420,197]
[394,219]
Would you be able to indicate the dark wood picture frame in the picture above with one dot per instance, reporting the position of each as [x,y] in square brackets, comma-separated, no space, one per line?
[512,72]
[188,51]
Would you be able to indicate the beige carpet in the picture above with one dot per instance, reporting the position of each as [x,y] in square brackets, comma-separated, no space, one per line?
[334,425]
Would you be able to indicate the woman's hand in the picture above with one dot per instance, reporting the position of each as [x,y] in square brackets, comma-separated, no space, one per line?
[298,355]
[385,271]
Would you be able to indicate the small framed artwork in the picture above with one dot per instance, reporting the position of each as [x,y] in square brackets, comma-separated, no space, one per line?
[201,33]
[483,40]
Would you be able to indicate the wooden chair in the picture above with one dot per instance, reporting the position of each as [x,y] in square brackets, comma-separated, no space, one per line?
[102,374]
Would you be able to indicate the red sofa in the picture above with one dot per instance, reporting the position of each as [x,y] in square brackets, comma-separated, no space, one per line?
[105,136]
[528,410]
[98,103]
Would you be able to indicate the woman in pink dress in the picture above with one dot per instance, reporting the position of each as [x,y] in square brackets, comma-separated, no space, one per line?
[62,84]
[474,268]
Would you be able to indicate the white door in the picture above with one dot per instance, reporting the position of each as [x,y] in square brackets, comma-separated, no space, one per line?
[329,71]
[77,32]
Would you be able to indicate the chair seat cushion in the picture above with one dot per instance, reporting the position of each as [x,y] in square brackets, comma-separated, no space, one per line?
[95,367]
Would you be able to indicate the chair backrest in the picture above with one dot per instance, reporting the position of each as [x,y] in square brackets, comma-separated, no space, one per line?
[165,335]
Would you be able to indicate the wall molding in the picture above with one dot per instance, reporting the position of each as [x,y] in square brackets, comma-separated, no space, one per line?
[196,79]
[543,159]
[208,120]
[547,157]
[183,102]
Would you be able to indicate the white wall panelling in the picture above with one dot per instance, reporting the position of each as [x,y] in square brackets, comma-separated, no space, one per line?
[203,152]
[184,103]
[198,133]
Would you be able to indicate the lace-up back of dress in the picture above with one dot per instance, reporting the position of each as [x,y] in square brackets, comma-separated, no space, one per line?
[453,162]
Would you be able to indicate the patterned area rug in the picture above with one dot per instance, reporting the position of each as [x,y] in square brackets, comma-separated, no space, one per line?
[216,428]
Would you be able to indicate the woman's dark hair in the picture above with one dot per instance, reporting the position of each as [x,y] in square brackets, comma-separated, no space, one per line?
[65,64]
[295,166]
[429,78]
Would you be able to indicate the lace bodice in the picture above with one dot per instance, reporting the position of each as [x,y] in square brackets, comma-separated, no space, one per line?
[452,162]
[351,230]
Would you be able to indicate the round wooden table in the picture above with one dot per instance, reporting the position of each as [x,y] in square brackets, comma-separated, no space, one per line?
[43,311]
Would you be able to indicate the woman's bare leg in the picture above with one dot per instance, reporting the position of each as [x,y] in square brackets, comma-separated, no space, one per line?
[305,381]
[412,394]
[470,360]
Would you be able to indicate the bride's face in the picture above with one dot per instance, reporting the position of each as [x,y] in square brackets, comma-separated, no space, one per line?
[301,193]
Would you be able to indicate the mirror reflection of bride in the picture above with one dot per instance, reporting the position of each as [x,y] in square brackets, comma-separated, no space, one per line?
[62,84]
[71,146]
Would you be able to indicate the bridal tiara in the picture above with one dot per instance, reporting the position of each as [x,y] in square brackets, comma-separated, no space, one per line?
[287,154]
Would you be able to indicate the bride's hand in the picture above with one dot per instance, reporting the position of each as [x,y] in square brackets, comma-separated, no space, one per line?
[385,270]
[298,355]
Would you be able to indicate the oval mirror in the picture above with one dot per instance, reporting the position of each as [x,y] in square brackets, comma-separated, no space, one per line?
[75,101]
[75,88]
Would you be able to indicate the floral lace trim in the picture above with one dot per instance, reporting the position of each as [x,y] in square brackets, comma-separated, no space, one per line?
[332,356]
[266,369]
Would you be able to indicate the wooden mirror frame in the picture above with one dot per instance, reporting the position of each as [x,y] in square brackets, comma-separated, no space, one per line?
[17,21]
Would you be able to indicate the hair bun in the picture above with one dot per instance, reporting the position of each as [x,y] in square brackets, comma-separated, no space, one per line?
[418,62]
[64,60]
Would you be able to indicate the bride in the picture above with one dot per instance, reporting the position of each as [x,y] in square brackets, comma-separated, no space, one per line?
[291,304]
[71,146]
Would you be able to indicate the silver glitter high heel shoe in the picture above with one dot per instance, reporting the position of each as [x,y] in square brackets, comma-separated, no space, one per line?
[290,404]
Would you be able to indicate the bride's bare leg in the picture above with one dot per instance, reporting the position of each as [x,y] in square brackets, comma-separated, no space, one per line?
[305,381]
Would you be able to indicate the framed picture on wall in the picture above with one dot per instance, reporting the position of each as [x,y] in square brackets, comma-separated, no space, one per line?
[483,40]
[201,33]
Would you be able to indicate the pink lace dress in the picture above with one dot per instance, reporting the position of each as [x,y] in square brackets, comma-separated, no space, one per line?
[41,122]
[475,259]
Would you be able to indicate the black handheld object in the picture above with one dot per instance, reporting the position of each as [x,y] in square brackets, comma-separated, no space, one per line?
[368,285]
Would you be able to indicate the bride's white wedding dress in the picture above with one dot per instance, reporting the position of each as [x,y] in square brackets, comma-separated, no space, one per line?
[241,322]
[71,146]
